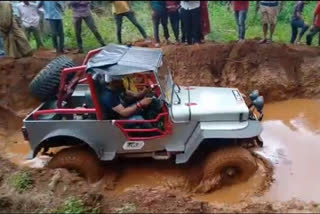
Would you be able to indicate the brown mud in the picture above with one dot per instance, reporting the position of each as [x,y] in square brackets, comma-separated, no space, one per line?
[287,165]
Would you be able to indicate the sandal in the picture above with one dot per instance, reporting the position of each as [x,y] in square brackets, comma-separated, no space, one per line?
[262,41]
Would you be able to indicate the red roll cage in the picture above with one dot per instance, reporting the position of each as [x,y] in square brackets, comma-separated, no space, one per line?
[81,77]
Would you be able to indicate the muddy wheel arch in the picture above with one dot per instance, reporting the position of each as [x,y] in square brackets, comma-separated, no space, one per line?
[64,140]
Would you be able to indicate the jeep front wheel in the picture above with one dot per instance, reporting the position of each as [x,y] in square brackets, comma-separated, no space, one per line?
[80,159]
[225,167]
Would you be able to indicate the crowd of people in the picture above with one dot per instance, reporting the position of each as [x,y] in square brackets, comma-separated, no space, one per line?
[189,21]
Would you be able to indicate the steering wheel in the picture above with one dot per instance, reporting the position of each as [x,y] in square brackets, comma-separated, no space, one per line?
[155,108]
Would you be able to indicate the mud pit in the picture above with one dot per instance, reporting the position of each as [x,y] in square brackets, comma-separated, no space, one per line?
[291,128]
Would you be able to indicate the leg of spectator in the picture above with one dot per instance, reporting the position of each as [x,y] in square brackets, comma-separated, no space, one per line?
[310,35]
[130,15]
[183,33]
[92,26]
[61,35]
[164,23]
[236,16]
[118,18]
[174,20]
[156,22]
[196,25]
[294,32]
[54,33]
[37,36]
[77,21]
[242,23]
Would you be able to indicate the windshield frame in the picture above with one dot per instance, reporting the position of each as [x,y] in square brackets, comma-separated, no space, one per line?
[167,85]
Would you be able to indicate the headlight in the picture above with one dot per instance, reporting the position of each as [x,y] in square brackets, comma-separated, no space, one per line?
[254,95]
[258,103]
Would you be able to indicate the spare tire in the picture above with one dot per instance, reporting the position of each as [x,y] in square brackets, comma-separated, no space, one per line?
[45,85]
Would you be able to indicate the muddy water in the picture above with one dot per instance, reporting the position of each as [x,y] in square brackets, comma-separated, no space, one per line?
[292,144]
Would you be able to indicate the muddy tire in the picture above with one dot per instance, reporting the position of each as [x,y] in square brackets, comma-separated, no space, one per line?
[45,85]
[225,167]
[80,159]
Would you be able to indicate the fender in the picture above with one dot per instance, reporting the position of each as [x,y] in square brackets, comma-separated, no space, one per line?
[60,134]
[218,130]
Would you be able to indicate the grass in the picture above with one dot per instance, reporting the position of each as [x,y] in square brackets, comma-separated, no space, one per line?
[76,206]
[127,208]
[21,181]
[223,28]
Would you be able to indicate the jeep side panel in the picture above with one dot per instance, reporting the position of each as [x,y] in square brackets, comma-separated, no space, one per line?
[218,130]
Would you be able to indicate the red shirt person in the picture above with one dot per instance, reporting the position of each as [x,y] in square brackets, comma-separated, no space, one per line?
[240,9]
[315,29]
[205,22]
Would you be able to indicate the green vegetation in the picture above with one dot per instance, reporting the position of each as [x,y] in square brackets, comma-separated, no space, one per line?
[127,208]
[76,206]
[21,181]
[223,28]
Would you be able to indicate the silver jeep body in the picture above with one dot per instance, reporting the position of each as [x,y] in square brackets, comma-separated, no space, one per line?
[196,113]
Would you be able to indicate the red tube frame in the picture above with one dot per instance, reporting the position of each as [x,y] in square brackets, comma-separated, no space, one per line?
[168,127]
[80,71]
[64,111]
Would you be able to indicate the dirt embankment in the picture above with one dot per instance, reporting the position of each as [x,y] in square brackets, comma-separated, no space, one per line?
[16,76]
[278,71]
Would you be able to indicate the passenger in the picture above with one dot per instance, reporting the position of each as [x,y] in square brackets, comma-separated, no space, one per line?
[110,98]
[81,11]
[315,26]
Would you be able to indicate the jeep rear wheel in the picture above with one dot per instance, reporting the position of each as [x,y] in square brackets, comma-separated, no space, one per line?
[45,85]
[80,159]
[225,167]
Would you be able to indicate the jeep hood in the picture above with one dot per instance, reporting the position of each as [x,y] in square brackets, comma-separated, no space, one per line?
[209,104]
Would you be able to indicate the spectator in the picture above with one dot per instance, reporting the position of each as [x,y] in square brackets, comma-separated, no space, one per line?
[81,11]
[159,15]
[1,47]
[298,22]
[191,17]
[15,11]
[240,9]
[121,9]
[205,22]
[54,14]
[174,16]
[15,42]
[269,12]
[30,18]
[316,25]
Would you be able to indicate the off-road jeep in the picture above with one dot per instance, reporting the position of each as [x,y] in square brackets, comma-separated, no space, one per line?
[183,118]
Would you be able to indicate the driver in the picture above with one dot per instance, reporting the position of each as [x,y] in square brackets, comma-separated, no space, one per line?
[110,99]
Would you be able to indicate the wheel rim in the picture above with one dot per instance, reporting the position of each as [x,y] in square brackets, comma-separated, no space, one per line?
[230,174]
